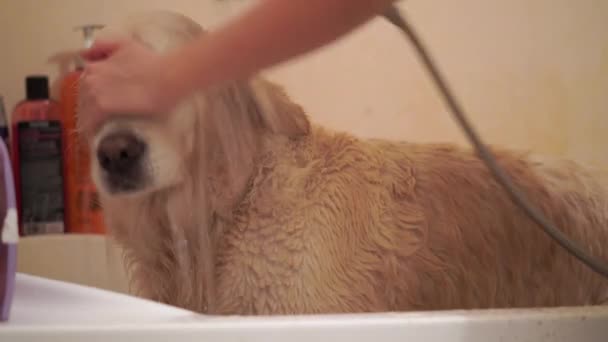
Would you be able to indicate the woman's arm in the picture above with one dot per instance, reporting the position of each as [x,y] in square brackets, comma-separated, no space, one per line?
[270,33]
[125,77]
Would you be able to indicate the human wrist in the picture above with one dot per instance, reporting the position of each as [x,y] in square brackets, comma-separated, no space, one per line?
[172,81]
[185,71]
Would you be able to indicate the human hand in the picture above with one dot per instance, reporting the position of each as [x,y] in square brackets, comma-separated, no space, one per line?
[124,77]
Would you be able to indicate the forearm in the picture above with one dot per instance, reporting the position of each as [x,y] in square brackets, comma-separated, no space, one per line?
[268,34]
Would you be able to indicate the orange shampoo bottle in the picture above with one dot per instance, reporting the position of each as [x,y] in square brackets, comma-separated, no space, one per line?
[84,215]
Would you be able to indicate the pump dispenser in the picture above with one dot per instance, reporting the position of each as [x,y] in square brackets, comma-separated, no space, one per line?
[87,35]
[82,208]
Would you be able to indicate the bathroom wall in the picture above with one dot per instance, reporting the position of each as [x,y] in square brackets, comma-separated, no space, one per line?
[532,74]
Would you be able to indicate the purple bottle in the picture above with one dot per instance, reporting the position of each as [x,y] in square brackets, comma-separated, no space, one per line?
[3,124]
[9,234]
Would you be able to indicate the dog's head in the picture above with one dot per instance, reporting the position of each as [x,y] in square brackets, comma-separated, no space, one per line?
[216,129]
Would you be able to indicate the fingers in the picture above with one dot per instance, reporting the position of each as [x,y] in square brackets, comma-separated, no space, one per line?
[101,50]
[93,92]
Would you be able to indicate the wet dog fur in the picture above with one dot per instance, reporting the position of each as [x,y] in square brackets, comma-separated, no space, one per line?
[243,206]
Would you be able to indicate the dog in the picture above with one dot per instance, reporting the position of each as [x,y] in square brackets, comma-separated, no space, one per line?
[236,203]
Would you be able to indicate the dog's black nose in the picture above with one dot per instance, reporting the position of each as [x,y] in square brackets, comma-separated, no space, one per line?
[120,152]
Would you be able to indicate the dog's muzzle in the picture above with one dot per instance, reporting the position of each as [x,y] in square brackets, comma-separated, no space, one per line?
[121,158]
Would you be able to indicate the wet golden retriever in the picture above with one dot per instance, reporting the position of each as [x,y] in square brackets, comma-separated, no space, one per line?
[235,203]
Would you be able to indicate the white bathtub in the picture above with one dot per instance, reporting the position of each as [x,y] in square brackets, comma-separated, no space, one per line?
[49,310]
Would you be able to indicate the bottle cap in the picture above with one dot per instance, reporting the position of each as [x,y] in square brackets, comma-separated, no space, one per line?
[37,87]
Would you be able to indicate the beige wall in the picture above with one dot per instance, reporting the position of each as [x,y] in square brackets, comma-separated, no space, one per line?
[532,74]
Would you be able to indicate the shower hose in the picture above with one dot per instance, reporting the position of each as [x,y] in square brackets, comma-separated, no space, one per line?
[395,17]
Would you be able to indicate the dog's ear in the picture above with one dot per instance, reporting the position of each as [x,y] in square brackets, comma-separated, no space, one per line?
[277,111]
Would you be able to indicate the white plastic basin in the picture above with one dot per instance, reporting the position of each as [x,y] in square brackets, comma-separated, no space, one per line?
[49,310]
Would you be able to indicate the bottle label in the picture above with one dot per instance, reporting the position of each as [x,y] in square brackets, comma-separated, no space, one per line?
[41,173]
